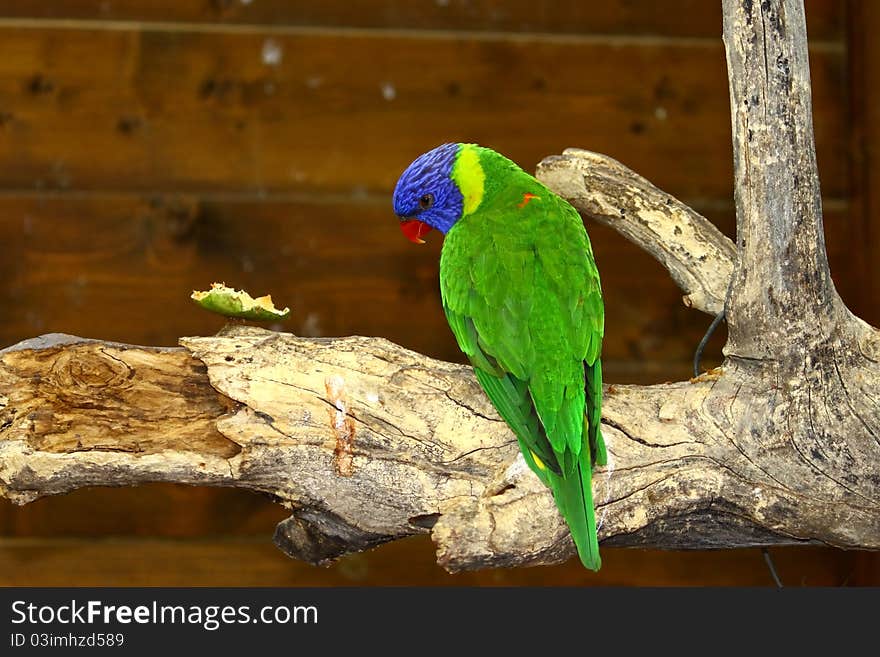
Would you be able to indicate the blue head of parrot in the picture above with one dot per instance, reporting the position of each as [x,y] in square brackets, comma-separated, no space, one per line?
[426,196]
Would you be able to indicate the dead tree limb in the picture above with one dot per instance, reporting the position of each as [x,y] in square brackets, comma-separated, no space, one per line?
[366,442]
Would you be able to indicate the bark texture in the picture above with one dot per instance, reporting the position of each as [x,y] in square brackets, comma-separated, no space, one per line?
[366,442]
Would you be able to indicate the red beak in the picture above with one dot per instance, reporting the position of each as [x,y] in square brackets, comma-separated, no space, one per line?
[414,230]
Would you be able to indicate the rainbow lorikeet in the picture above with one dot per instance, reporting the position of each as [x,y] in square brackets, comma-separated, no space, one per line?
[521,293]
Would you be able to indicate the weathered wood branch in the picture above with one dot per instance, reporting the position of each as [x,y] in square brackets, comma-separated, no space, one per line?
[782,296]
[366,442]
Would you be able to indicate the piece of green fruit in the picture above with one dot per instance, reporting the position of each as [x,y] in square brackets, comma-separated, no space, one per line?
[238,303]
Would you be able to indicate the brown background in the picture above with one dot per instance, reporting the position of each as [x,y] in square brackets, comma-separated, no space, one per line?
[150,147]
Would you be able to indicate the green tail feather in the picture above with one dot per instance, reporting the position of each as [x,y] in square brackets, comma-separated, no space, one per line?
[593,416]
[574,497]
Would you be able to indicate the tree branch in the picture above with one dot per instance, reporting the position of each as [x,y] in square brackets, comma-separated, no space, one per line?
[782,296]
[367,442]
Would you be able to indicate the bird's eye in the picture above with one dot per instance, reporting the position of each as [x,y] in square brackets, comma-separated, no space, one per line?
[426,201]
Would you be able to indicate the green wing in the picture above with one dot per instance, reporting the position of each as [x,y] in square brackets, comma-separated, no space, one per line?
[509,395]
[522,296]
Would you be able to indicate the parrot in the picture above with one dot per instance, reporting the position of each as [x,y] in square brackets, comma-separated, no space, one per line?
[521,293]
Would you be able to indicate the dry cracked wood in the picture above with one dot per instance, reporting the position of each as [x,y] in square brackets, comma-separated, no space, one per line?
[366,442]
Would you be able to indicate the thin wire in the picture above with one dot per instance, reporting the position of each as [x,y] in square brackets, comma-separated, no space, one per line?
[698,354]
[772,567]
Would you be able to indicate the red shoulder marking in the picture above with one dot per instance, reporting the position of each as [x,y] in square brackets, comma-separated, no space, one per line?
[526,198]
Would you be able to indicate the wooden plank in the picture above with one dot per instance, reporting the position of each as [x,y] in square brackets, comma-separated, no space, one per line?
[688,18]
[121,267]
[864,75]
[156,510]
[219,562]
[262,113]
[867,572]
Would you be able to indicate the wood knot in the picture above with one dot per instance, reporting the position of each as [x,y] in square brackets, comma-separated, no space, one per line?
[88,368]
[869,344]
[176,217]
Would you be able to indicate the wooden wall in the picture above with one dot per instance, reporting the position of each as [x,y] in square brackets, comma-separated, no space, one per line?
[148,148]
